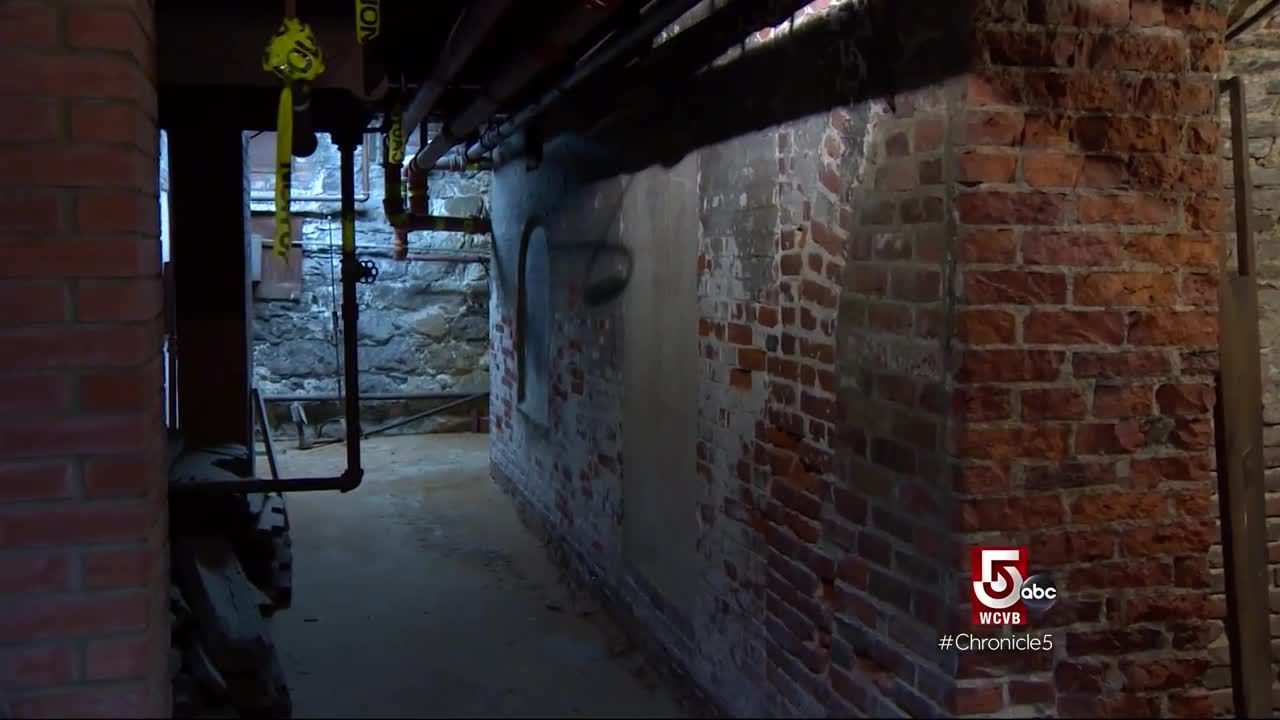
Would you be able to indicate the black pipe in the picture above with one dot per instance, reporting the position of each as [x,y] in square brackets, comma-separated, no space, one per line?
[304,135]
[424,414]
[345,482]
[574,27]
[649,25]
[370,397]
[393,197]
[442,223]
[351,274]
[1244,25]
[393,194]
[468,34]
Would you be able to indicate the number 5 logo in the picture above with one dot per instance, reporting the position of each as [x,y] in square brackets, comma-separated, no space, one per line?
[998,574]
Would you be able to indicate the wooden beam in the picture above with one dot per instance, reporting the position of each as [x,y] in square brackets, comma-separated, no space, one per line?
[1239,435]
[213,308]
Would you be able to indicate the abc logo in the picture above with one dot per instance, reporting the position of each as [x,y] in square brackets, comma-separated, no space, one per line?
[1039,593]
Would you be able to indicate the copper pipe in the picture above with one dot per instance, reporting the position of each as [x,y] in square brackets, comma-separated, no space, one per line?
[400,245]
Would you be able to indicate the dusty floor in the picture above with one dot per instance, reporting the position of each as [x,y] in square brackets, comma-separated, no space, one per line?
[421,594]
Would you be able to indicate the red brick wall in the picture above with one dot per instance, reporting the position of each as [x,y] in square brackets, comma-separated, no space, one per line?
[1086,289]
[822,575]
[987,316]
[83,556]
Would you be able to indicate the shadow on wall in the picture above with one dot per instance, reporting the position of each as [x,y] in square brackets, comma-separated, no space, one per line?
[707,85]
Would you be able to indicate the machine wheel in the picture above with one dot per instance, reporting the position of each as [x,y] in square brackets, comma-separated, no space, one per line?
[266,549]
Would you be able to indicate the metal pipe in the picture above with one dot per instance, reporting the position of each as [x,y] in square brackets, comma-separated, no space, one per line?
[325,197]
[447,257]
[426,413]
[457,162]
[1244,25]
[514,78]
[441,223]
[650,24]
[393,193]
[345,482]
[470,32]
[304,135]
[351,274]
[350,478]
[372,397]
[457,257]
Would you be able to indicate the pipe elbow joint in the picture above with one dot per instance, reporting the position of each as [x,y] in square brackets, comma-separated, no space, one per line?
[351,479]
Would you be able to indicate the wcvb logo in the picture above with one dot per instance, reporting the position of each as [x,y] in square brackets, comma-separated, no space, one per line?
[1002,593]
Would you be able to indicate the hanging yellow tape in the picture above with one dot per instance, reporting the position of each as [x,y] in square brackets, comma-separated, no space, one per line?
[294,56]
[368,20]
[395,137]
[394,158]
[282,240]
[348,231]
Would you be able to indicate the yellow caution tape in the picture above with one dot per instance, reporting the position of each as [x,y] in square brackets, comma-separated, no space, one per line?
[282,241]
[293,55]
[368,20]
[395,137]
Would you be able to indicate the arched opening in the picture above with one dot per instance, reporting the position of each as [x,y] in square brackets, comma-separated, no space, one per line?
[533,324]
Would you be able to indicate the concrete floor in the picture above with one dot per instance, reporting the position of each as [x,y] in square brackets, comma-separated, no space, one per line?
[421,594]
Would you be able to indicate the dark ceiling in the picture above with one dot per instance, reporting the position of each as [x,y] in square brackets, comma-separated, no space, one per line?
[209,51]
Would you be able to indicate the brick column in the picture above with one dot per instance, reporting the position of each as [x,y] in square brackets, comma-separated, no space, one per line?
[1086,288]
[83,556]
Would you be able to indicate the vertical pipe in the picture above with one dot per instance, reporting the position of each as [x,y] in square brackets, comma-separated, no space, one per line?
[350,311]
[393,200]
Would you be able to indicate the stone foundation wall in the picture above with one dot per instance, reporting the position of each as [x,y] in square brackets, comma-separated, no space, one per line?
[424,325]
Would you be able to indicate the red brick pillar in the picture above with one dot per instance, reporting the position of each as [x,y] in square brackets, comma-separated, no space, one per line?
[1086,290]
[83,558]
